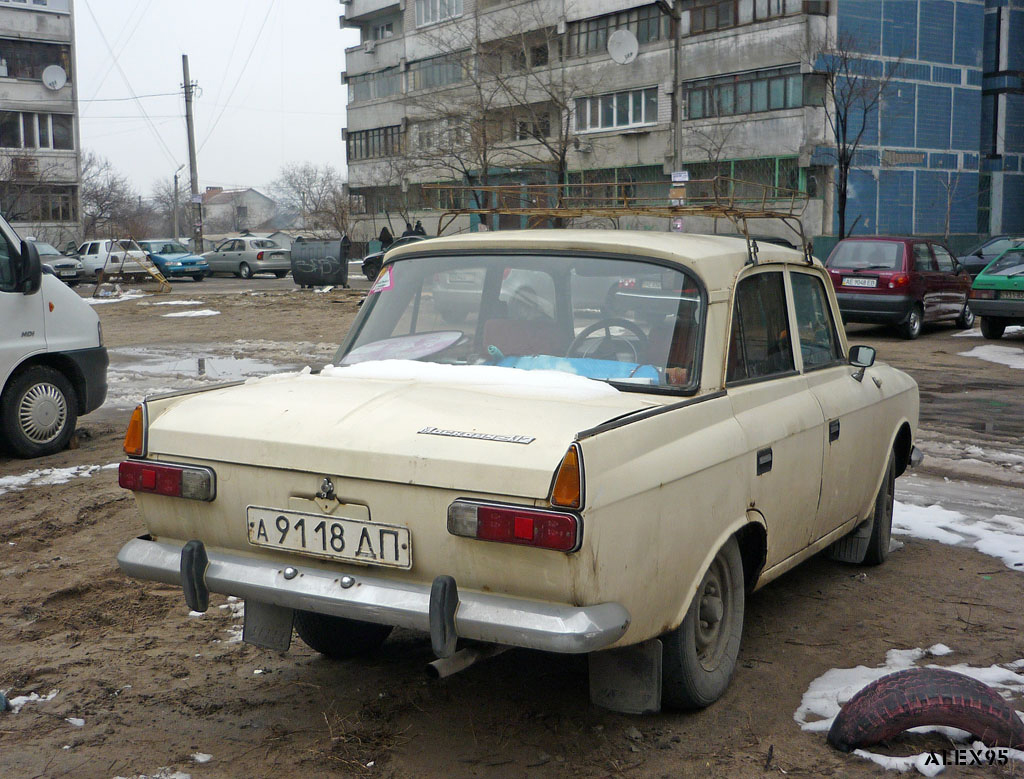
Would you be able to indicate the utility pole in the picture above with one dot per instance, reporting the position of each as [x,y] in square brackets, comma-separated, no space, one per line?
[197,206]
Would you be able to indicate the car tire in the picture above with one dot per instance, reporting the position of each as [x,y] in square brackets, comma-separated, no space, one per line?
[339,638]
[280,273]
[244,271]
[38,412]
[992,328]
[966,319]
[911,326]
[698,657]
[198,277]
[371,271]
[881,530]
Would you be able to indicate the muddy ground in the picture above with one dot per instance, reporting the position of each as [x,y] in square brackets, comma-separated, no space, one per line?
[159,690]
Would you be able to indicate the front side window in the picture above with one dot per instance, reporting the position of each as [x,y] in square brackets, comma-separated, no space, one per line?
[819,343]
[631,323]
[923,260]
[943,260]
[759,344]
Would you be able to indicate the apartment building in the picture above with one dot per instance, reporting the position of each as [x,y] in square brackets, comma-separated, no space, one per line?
[39,142]
[498,92]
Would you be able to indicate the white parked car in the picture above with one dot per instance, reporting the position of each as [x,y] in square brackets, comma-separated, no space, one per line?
[121,256]
[609,480]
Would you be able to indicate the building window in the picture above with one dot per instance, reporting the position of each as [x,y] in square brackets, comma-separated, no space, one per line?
[590,36]
[38,202]
[707,15]
[528,128]
[380,32]
[28,59]
[617,109]
[29,130]
[438,71]
[754,178]
[431,11]
[370,86]
[744,93]
[371,144]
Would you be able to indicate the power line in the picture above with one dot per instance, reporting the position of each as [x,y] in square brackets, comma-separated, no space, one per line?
[103,78]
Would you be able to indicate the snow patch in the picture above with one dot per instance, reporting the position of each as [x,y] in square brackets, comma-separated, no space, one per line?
[164,772]
[179,303]
[105,296]
[1001,537]
[513,381]
[45,477]
[202,757]
[18,701]
[1004,355]
[976,333]
[939,650]
[197,312]
[78,722]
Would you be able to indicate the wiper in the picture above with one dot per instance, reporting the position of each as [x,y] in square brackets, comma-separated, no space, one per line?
[877,267]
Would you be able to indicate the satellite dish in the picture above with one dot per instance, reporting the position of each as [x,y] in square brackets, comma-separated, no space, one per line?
[54,77]
[623,46]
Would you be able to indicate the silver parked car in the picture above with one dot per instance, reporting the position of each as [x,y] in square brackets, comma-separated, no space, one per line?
[67,269]
[245,257]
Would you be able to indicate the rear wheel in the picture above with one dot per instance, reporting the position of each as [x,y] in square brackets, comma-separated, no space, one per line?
[244,271]
[38,412]
[911,327]
[198,277]
[699,656]
[992,328]
[966,319]
[371,271]
[337,637]
[280,273]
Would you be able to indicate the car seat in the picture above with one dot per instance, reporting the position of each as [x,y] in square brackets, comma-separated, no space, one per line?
[525,336]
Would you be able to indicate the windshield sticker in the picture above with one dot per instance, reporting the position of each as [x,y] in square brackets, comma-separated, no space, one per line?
[384,282]
[504,439]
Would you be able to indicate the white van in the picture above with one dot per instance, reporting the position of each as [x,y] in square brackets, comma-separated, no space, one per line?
[53,366]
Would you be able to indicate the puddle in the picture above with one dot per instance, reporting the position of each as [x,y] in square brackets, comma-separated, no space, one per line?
[139,371]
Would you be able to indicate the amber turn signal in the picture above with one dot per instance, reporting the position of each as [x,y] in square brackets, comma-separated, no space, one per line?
[133,436]
[567,490]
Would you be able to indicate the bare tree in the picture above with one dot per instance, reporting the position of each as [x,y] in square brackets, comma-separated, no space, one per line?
[110,204]
[317,194]
[164,205]
[851,95]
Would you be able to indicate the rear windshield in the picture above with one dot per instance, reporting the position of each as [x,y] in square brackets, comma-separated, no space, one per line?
[1010,264]
[867,255]
[265,245]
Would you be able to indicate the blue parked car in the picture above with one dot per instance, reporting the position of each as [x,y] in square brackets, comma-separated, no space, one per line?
[173,259]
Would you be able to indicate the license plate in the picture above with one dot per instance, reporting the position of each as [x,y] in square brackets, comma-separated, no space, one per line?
[859,281]
[1012,294]
[460,278]
[66,273]
[335,538]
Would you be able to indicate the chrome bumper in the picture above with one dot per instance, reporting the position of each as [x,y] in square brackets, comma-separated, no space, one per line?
[497,619]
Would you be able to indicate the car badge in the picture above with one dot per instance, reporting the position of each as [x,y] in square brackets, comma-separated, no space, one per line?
[504,439]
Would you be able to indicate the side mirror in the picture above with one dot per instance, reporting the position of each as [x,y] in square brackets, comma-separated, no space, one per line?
[29,270]
[861,357]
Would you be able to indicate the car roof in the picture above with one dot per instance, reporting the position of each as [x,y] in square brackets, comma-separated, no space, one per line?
[715,258]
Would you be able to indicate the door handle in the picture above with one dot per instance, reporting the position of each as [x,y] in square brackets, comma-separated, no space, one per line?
[764,460]
[833,430]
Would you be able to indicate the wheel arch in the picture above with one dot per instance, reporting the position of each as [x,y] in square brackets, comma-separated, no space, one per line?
[902,444]
[58,362]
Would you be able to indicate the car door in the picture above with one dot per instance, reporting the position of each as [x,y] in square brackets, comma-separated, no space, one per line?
[955,285]
[781,421]
[220,260]
[848,467]
[928,281]
[22,331]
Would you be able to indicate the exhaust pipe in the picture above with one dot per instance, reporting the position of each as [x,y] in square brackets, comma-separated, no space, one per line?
[446,666]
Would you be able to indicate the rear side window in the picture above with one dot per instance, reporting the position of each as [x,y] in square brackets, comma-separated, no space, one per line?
[819,344]
[867,255]
[759,344]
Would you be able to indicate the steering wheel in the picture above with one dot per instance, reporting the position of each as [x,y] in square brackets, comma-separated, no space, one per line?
[607,324]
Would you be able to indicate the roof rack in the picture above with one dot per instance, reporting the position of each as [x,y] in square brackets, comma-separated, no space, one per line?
[717,198]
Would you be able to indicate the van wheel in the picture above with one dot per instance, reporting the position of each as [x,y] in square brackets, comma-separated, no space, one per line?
[38,412]
[991,328]
[966,319]
[244,271]
[698,657]
[881,530]
[911,327]
[337,637]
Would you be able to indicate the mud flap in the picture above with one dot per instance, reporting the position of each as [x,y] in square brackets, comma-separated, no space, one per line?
[853,547]
[267,625]
[444,602]
[627,680]
[194,562]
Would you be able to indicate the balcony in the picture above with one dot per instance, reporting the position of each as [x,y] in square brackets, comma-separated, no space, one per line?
[361,10]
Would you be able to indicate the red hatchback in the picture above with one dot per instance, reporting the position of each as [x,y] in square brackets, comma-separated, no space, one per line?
[899,281]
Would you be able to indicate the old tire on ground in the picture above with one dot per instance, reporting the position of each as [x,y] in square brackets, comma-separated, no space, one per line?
[881,532]
[244,271]
[966,319]
[280,273]
[992,328]
[38,412]
[699,656]
[910,328]
[337,637]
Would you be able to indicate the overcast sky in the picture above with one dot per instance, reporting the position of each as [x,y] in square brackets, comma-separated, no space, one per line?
[268,71]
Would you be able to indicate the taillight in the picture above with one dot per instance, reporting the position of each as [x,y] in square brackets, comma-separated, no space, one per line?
[259,257]
[983,294]
[515,525]
[135,435]
[175,481]
[567,488]
[898,281]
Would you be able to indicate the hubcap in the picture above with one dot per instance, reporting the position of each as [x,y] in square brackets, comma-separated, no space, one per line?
[42,413]
[714,615]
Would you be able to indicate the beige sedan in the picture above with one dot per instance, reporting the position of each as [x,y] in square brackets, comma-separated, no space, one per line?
[245,257]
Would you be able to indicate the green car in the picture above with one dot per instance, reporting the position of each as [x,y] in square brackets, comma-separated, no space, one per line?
[998,293]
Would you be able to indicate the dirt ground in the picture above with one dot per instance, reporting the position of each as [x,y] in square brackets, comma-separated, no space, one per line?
[159,690]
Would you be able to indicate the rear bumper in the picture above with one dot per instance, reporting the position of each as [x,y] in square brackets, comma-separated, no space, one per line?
[1001,309]
[497,619]
[874,309]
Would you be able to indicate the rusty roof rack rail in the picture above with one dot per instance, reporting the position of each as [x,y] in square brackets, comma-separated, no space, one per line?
[717,198]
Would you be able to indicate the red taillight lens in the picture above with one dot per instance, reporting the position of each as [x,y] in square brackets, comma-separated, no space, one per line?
[898,281]
[259,256]
[983,294]
[515,525]
[175,481]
